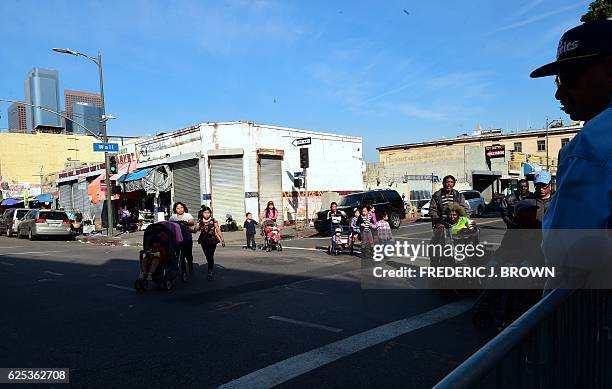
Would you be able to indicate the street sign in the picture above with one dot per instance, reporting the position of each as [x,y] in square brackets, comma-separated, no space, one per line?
[302,141]
[106,147]
[298,174]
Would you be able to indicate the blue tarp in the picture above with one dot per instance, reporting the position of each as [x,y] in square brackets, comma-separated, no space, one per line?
[44,198]
[135,175]
[9,202]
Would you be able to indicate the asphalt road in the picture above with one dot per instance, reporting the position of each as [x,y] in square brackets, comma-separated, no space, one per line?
[298,318]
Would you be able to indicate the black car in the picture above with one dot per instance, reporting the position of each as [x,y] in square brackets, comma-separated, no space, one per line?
[383,200]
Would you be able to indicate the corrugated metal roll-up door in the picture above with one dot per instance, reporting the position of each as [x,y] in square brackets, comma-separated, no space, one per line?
[65,196]
[79,194]
[77,197]
[270,184]
[227,181]
[186,182]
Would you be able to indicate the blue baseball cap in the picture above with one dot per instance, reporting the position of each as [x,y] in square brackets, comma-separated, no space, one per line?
[542,177]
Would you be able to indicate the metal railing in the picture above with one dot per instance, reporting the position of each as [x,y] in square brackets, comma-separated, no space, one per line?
[564,341]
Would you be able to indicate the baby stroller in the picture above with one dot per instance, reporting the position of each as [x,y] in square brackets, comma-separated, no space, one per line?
[341,242]
[271,236]
[162,241]
[437,258]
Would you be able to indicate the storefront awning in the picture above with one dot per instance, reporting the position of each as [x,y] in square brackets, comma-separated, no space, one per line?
[152,180]
[44,198]
[9,202]
[137,175]
[486,173]
[531,168]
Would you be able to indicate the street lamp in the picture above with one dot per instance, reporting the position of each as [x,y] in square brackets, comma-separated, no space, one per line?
[104,118]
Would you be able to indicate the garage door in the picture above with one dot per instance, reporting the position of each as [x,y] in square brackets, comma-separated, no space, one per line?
[270,184]
[186,181]
[81,198]
[65,196]
[227,181]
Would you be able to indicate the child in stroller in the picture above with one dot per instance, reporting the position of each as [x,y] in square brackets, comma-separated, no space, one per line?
[161,259]
[458,231]
[156,255]
[271,236]
[340,241]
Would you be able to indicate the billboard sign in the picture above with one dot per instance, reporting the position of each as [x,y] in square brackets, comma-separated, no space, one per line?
[495,151]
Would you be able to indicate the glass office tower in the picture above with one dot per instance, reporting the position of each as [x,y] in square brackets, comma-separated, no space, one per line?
[42,89]
[87,115]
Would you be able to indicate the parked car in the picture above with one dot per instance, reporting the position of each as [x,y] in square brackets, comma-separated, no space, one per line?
[10,219]
[383,200]
[476,202]
[44,222]
[424,212]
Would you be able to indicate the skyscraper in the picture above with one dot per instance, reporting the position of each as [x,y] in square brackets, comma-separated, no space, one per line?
[87,115]
[17,118]
[42,89]
[70,98]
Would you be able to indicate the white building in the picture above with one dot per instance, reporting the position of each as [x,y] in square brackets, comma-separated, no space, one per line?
[237,167]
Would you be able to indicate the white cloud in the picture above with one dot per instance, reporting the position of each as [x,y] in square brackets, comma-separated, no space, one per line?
[539,17]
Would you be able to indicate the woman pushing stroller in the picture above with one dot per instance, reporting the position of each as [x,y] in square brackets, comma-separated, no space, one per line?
[186,221]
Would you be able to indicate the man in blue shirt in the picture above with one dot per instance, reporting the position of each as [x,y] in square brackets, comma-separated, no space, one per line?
[579,217]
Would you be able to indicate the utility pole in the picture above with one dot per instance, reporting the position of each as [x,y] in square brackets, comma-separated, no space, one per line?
[104,118]
[304,172]
[547,163]
[109,195]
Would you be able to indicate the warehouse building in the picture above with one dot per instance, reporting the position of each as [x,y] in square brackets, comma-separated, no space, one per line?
[234,167]
[488,161]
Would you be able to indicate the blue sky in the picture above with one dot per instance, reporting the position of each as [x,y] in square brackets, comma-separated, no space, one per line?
[358,68]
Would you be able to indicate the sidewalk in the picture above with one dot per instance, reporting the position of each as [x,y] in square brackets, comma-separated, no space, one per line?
[231,238]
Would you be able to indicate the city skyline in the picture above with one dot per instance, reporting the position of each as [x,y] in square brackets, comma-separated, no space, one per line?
[22,118]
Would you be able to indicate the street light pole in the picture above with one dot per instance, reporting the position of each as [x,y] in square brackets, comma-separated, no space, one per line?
[109,205]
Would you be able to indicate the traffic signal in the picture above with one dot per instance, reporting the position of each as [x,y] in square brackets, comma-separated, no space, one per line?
[304,158]
[113,164]
[298,183]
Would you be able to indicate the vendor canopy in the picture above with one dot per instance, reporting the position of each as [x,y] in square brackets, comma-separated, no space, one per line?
[151,180]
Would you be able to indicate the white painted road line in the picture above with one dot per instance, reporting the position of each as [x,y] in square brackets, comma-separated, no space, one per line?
[305,324]
[290,368]
[120,287]
[10,247]
[301,248]
[35,252]
[53,273]
[7,263]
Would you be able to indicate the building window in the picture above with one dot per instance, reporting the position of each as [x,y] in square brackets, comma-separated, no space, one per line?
[564,141]
[541,145]
[518,147]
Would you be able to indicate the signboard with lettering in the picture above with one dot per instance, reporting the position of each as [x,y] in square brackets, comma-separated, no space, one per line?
[302,141]
[518,157]
[106,147]
[495,151]
[514,167]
